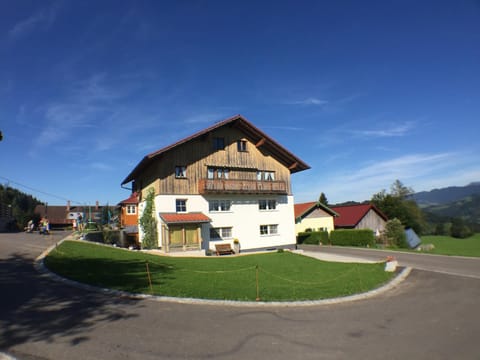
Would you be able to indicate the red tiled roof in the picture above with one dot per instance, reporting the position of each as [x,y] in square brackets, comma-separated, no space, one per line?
[182,218]
[351,215]
[284,156]
[133,199]
[301,208]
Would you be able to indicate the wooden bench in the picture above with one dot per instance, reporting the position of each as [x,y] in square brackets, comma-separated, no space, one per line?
[224,249]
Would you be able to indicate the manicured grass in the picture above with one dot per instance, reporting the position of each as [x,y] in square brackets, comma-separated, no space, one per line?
[447,245]
[282,276]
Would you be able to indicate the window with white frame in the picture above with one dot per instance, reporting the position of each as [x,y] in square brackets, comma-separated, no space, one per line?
[131,209]
[271,229]
[267,204]
[265,175]
[269,176]
[217,173]
[180,172]
[242,145]
[219,205]
[220,233]
[181,205]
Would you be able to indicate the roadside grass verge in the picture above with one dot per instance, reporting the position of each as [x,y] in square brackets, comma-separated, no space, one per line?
[282,276]
[446,245]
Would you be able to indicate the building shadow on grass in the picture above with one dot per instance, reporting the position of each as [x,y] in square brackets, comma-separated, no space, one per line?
[33,307]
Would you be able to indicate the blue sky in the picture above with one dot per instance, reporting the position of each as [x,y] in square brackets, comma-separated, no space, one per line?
[364,92]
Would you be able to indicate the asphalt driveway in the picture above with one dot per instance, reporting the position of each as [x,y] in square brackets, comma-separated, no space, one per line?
[431,315]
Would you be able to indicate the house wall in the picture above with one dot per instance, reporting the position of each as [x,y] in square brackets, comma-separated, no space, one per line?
[244,218]
[128,219]
[372,221]
[197,155]
[315,220]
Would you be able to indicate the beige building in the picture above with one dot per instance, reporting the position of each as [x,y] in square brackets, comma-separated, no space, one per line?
[314,216]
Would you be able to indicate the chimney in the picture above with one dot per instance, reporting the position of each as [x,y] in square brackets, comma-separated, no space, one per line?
[96,205]
[68,205]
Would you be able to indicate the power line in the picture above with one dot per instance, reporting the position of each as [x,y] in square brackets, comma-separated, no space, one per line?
[39,191]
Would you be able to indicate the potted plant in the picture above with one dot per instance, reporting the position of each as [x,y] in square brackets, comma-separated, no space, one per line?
[236,246]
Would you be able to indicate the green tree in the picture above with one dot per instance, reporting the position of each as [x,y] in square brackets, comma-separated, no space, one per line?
[323,199]
[148,223]
[459,229]
[398,204]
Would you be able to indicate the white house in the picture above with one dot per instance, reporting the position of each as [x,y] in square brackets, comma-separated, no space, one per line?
[229,181]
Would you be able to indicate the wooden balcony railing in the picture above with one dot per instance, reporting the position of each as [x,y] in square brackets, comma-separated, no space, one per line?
[212,186]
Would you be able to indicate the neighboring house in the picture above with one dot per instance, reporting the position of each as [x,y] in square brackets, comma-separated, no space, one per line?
[315,216]
[363,216]
[129,218]
[229,181]
[63,216]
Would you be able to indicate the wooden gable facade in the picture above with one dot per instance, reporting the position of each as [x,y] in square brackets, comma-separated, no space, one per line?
[230,157]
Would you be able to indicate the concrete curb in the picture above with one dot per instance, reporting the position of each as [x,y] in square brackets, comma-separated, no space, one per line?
[40,266]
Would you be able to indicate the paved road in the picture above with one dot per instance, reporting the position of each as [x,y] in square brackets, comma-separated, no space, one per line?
[453,265]
[429,316]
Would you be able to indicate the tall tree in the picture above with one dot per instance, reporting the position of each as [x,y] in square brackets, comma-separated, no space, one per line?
[323,199]
[397,204]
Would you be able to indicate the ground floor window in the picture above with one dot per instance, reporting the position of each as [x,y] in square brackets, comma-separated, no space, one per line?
[220,233]
[271,229]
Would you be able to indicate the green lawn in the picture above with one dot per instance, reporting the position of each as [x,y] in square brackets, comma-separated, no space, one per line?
[447,245]
[282,276]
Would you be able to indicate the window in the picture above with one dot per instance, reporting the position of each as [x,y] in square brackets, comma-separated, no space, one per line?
[265,175]
[220,233]
[181,205]
[269,175]
[267,204]
[131,209]
[242,145]
[219,205]
[269,229]
[217,173]
[180,172]
[218,143]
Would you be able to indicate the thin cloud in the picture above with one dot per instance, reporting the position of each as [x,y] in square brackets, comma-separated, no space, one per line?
[391,131]
[309,101]
[42,19]
[361,183]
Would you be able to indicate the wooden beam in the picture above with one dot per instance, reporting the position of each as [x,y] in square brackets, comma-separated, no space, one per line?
[260,143]
[293,166]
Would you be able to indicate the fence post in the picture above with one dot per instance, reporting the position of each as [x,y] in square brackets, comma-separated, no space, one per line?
[256,280]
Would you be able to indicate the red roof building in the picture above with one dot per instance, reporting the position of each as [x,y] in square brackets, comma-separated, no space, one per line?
[362,216]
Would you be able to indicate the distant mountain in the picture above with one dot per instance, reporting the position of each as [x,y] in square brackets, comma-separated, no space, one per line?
[446,195]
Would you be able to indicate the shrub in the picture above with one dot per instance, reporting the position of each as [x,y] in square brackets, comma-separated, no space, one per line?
[347,237]
[395,234]
[312,238]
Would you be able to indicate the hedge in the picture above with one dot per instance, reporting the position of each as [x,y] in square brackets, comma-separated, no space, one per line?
[347,237]
[312,237]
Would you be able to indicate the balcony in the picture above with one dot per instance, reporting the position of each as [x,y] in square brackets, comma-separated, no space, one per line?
[222,186]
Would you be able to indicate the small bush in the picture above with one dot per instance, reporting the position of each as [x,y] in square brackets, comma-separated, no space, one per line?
[347,237]
[312,238]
